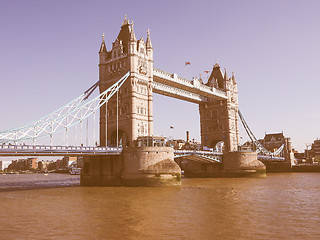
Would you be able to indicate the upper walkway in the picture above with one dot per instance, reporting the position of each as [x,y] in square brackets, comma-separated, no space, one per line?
[172,85]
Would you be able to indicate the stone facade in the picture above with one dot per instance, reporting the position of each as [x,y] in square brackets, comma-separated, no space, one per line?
[242,164]
[134,108]
[136,166]
[219,118]
[150,166]
[273,141]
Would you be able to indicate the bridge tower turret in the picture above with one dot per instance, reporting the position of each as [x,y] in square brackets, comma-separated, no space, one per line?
[219,118]
[133,117]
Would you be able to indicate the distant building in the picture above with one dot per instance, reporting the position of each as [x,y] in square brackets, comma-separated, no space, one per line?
[315,148]
[66,161]
[31,163]
[43,165]
[24,164]
[4,164]
[247,146]
[176,144]
[273,141]
[80,162]
[313,154]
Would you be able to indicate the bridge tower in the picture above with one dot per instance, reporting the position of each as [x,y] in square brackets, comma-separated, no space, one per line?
[219,118]
[129,115]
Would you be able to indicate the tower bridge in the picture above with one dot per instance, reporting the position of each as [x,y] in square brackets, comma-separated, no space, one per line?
[127,81]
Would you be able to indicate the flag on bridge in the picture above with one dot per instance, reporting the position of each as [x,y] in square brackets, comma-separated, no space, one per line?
[187,63]
[171,127]
[207,72]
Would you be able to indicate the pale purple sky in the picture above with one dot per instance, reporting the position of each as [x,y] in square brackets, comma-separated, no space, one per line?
[49,55]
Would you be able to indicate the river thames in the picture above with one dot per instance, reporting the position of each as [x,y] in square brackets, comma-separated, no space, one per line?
[279,206]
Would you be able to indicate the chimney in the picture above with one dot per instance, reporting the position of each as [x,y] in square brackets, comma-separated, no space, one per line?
[187,136]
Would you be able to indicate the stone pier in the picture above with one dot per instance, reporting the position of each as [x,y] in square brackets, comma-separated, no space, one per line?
[234,164]
[242,164]
[150,166]
[147,163]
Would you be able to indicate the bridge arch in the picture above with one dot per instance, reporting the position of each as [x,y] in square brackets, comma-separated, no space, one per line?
[218,145]
[122,138]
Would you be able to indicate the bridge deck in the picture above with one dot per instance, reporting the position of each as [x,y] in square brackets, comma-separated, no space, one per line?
[42,150]
[27,150]
[174,86]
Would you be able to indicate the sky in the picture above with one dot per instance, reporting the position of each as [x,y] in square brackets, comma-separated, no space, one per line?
[49,56]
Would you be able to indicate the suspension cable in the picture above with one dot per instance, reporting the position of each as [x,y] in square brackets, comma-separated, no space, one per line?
[53,123]
[260,147]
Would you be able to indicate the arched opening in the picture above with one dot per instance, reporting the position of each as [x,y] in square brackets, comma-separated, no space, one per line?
[122,139]
[217,145]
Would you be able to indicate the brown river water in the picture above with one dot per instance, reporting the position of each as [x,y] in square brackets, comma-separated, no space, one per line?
[279,206]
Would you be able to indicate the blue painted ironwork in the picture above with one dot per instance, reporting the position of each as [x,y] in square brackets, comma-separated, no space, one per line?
[65,117]
[260,147]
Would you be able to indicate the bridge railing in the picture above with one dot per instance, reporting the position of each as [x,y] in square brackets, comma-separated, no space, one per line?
[173,76]
[198,152]
[39,148]
[208,89]
[180,92]
[183,81]
[271,158]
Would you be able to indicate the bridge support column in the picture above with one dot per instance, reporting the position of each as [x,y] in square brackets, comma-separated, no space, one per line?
[101,171]
[242,164]
[150,166]
[136,166]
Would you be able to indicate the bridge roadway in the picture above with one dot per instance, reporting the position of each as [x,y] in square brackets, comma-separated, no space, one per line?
[43,150]
[172,85]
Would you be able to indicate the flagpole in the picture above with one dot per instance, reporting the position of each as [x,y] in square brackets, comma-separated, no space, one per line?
[185,69]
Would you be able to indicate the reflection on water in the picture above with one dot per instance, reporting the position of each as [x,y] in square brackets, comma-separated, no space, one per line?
[280,206]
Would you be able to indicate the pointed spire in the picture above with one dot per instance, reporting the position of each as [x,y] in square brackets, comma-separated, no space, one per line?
[216,65]
[126,21]
[233,78]
[132,35]
[225,74]
[103,48]
[149,44]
